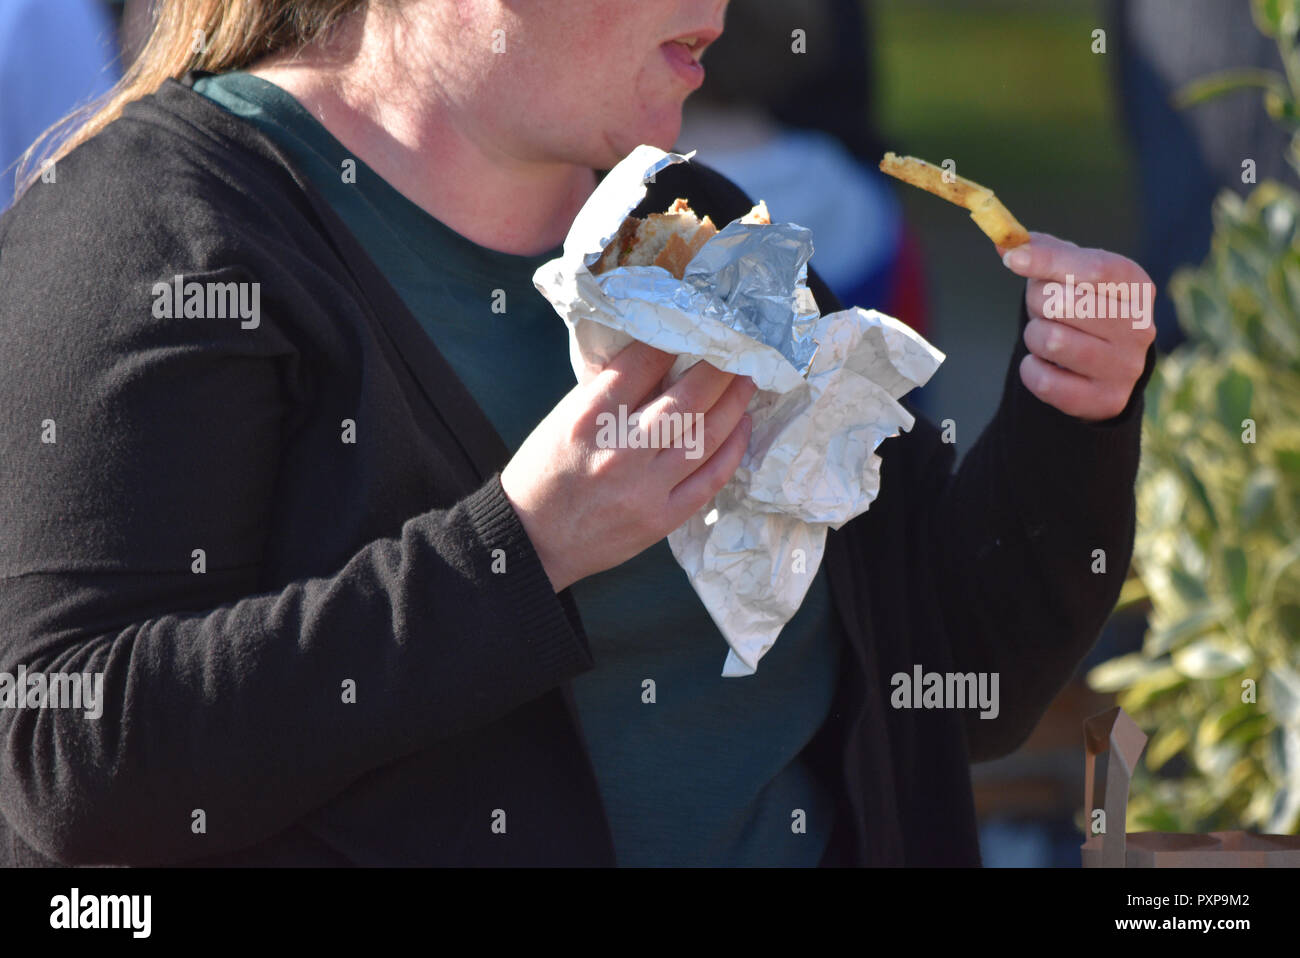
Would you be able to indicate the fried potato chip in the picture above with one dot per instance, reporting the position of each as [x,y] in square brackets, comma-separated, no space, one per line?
[985,208]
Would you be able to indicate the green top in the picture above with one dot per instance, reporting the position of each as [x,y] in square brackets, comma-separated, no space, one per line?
[708,773]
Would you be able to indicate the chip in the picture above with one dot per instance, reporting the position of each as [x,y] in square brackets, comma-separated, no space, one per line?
[985,208]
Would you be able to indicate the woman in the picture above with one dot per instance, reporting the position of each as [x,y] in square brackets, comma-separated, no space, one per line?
[298,467]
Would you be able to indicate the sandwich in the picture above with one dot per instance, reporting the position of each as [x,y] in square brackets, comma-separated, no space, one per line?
[985,209]
[668,240]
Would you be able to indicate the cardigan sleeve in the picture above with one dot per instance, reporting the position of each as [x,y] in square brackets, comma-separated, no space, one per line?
[1027,545]
[127,442]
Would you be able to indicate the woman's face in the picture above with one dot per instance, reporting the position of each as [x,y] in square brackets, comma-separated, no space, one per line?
[580,81]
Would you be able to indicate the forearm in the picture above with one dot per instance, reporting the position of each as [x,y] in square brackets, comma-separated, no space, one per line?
[1030,541]
[243,710]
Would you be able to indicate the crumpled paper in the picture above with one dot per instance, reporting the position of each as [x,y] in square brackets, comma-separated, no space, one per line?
[828,391]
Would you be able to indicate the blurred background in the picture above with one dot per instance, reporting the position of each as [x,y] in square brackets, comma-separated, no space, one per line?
[1065,108]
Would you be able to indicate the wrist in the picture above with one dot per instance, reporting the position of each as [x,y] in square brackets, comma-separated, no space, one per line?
[553,564]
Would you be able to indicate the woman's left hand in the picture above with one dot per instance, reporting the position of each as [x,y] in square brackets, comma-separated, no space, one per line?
[1087,343]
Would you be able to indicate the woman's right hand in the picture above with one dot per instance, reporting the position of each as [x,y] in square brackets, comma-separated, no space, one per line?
[586,508]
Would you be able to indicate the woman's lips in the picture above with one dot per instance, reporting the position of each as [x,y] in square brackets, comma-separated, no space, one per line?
[682,60]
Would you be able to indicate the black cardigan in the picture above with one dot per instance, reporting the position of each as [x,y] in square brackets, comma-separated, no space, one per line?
[328,562]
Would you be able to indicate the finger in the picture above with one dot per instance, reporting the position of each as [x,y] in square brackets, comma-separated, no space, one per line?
[696,392]
[1035,237]
[1118,313]
[705,433]
[1045,300]
[1036,298]
[1048,258]
[1117,310]
[1081,352]
[631,376]
[1071,393]
[1004,250]
[700,387]
[689,495]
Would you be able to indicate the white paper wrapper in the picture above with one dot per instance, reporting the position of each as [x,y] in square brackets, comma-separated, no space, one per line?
[828,391]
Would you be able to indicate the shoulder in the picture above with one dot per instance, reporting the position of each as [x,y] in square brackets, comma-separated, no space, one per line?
[159,191]
[172,167]
[90,258]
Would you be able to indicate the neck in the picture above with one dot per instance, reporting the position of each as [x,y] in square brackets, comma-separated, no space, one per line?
[430,152]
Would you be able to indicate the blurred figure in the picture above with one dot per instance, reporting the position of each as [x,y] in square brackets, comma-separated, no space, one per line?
[1186,157]
[837,97]
[134,26]
[55,55]
[758,78]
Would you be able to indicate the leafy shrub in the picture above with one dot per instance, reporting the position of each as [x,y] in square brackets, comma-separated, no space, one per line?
[1217,555]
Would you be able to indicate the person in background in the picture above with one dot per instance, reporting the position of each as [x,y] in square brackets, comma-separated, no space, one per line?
[837,98]
[135,23]
[55,56]
[820,173]
[1185,158]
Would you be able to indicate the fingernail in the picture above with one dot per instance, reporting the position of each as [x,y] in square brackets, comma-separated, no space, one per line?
[1016,259]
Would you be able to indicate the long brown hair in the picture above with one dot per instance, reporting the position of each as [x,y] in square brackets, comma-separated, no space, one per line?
[215,35]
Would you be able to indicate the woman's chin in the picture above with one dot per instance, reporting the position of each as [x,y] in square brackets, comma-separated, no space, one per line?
[662,134]
[615,143]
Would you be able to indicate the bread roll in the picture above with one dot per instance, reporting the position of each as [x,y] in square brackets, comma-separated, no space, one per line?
[669,240]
